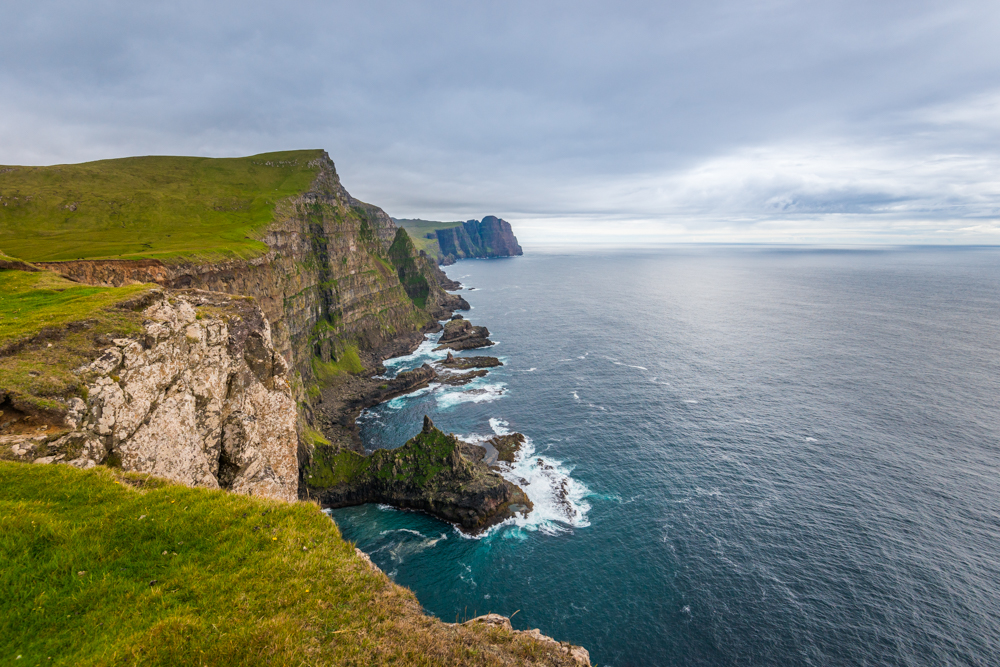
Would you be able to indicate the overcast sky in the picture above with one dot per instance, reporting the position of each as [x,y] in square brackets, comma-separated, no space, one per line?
[729,120]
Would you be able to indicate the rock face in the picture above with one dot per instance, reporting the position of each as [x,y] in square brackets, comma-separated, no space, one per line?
[326,282]
[200,397]
[462,335]
[423,280]
[429,473]
[489,237]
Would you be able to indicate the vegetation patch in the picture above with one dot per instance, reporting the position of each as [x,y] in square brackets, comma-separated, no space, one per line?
[402,253]
[331,467]
[103,568]
[49,327]
[349,362]
[167,208]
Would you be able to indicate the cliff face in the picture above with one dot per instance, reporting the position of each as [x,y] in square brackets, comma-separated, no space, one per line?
[326,282]
[489,237]
[200,396]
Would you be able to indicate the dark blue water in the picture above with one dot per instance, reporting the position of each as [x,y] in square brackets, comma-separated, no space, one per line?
[771,457]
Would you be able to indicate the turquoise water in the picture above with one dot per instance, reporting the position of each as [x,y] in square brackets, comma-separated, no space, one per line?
[738,456]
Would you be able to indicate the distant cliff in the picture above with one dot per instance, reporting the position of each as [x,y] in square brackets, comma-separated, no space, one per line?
[449,242]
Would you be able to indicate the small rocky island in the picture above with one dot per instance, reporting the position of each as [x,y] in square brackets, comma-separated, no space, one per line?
[459,334]
[434,472]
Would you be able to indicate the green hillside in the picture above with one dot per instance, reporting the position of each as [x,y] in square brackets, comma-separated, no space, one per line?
[106,568]
[419,229]
[166,208]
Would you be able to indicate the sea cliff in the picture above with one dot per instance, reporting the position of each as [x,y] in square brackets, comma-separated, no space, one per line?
[238,365]
[448,242]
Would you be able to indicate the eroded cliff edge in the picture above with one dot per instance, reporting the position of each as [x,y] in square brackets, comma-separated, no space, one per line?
[198,395]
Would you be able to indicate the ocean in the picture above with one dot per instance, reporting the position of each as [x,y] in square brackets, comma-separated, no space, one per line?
[737,455]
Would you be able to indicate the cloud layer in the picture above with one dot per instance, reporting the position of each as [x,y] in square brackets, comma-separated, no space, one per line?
[718,120]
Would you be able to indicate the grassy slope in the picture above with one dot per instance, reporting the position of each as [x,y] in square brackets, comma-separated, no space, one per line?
[106,568]
[166,208]
[418,230]
[31,302]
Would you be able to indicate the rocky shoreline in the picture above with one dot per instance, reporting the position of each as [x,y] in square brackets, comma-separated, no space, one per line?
[433,472]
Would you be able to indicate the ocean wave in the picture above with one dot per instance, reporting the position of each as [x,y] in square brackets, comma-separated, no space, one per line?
[424,353]
[560,502]
[474,394]
[397,403]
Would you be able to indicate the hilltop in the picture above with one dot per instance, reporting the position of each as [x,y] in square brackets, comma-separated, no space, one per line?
[168,208]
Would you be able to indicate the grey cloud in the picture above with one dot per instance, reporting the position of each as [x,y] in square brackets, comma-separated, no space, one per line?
[690,116]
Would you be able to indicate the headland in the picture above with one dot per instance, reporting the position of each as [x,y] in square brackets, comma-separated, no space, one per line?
[219,324]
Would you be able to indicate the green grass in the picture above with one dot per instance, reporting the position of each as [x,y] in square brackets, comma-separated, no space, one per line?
[401,252]
[32,301]
[417,462]
[105,568]
[349,362]
[331,467]
[419,229]
[168,208]
[36,374]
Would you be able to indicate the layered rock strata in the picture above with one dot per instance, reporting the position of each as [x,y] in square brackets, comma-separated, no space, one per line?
[325,283]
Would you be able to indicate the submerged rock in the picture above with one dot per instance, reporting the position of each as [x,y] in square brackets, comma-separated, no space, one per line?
[507,446]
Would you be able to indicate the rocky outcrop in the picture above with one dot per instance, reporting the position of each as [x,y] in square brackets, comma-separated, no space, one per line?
[424,282]
[462,363]
[462,335]
[429,473]
[578,654]
[507,446]
[199,396]
[489,237]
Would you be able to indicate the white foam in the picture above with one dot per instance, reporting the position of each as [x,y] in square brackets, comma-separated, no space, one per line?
[618,363]
[402,530]
[811,440]
[691,401]
[559,500]
[475,394]
[576,396]
[499,426]
[424,353]
[397,403]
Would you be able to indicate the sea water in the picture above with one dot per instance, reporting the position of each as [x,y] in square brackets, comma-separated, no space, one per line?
[737,456]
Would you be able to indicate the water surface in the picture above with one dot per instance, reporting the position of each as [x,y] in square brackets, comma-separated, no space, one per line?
[770,456]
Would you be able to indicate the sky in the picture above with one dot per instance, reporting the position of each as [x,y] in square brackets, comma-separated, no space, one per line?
[628,122]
